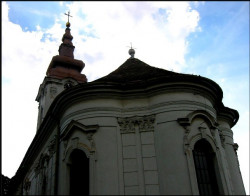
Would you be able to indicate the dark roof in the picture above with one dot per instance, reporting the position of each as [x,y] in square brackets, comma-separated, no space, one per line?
[133,70]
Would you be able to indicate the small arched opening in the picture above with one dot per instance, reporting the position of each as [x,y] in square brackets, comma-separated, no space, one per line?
[205,164]
[79,173]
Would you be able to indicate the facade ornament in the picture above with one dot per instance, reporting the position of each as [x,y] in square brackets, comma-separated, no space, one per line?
[37,169]
[213,130]
[126,125]
[53,91]
[145,123]
[185,138]
[42,162]
[235,147]
[26,185]
[91,140]
[202,131]
[184,122]
[222,138]
[68,84]
[52,146]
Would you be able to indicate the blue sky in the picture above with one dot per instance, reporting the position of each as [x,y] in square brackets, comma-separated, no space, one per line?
[210,39]
[31,13]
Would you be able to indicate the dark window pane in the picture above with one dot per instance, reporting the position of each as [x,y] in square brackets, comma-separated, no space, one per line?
[79,173]
[204,166]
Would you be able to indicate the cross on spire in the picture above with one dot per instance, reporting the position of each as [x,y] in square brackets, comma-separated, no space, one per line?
[131,46]
[68,15]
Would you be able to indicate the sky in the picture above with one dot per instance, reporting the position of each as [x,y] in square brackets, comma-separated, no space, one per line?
[210,39]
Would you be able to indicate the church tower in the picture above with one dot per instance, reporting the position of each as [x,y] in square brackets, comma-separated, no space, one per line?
[63,72]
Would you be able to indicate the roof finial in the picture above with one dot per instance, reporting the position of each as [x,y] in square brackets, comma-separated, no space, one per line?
[131,51]
[68,24]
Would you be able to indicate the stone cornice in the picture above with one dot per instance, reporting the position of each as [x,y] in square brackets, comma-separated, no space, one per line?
[229,115]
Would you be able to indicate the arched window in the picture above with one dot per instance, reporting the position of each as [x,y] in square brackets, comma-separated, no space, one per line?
[204,160]
[79,173]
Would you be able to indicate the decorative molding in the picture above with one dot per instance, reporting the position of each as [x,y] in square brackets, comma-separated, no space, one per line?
[185,138]
[76,125]
[222,138]
[53,92]
[206,116]
[75,142]
[52,146]
[126,125]
[235,147]
[26,185]
[145,123]
[91,140]
[41,163]
[68,84]
[213,131]
[186,123]
[202,131]
[154,107]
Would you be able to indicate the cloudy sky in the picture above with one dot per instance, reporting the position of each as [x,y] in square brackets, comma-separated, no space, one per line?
[210,39]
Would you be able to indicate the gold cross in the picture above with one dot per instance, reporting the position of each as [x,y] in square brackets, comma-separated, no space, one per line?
[68,15]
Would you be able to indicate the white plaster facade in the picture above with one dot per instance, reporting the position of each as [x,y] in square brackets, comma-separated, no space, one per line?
[139,141]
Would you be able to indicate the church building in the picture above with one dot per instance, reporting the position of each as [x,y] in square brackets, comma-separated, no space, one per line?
[139,130]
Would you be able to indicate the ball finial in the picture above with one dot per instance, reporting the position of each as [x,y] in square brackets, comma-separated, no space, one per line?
[131,52]
[68,24]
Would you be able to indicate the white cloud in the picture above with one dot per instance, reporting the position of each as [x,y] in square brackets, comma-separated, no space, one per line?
[24,62]
[114,24]
[160,43]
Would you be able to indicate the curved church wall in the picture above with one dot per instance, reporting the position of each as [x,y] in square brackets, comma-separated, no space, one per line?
[139,143]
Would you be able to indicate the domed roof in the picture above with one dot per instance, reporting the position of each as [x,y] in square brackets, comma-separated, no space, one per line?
[133,70]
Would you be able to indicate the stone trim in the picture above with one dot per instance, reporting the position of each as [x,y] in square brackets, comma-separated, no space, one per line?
[89,129]
[214,139]
[75,143]
[145,123]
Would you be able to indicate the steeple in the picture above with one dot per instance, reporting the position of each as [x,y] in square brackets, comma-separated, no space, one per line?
[63,72]
[67,48]
[64,65]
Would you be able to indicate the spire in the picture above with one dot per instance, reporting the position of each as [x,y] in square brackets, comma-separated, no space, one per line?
[64,65]
[67,48]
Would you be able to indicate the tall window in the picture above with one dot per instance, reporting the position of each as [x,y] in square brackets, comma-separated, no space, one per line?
[79,173]
[204,159]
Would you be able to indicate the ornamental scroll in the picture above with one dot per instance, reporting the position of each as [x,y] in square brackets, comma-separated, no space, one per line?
[144,123]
